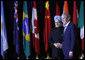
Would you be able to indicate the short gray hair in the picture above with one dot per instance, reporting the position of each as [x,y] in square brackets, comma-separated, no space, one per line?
[67,15]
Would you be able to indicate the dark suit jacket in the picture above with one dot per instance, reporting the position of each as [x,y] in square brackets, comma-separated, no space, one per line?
[68,39]
[55,36]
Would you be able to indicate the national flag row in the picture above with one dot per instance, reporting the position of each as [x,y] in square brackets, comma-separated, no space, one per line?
[77,20]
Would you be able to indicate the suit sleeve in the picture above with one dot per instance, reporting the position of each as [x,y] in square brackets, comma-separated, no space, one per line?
[50,39]
[72,37]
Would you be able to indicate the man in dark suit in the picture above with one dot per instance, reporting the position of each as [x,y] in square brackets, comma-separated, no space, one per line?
[68,36]
[56,38]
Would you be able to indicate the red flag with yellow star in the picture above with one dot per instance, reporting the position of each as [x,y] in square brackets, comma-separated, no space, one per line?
[47,25]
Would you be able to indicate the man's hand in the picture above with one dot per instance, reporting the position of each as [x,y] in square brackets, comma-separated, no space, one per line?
[70,54]
[55,44]
[58,45]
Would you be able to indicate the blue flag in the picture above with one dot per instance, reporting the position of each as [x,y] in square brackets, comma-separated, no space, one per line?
[4,44]
[16,28]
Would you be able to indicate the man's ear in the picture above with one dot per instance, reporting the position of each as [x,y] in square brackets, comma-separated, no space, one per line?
[69,17]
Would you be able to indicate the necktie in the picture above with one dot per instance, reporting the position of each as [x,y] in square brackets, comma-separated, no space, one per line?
[64,29]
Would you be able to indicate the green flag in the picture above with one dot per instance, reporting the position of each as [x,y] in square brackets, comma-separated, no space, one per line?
[26,32]
[81,23]
[81,15]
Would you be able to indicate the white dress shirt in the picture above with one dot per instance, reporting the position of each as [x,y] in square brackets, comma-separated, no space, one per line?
[65,26]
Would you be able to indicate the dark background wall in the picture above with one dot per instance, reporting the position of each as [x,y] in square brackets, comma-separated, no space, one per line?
[9,17]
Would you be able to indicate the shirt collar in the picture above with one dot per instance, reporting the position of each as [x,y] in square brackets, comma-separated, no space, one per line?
[67,24]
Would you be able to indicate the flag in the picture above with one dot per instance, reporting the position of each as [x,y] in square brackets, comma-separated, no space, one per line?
[26,31]
[81,23]
[16,28]
[57,10]
[66,9]
[47,25]
[75,14]
[35,30]
[4,43]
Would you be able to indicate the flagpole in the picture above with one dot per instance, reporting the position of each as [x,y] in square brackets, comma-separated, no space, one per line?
[4,57]
[27,58]
[18,57]
[37,56]
[82,56]
[48,57]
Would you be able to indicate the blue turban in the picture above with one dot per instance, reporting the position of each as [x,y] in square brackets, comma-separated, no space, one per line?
[57,17]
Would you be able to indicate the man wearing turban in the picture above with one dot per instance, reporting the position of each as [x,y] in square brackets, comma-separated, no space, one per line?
[55,38]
